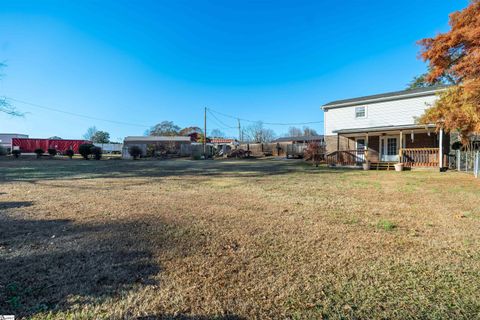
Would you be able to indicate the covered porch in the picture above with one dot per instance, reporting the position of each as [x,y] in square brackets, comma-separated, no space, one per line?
[412,145]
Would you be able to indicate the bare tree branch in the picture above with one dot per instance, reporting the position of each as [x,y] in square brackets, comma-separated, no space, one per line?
[7,108]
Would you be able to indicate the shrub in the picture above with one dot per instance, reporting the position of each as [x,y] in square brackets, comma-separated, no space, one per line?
[239,153]
[314,152]
[3,151]
[457,145]
[52,152]
[196,157]
[96,152]
[39,152]
[16,153]
[69,153]
[135,152]
[85,150]
[151,150]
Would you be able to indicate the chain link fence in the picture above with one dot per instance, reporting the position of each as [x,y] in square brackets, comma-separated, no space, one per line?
[466,161]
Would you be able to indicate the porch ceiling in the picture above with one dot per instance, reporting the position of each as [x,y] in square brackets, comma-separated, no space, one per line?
[386,129]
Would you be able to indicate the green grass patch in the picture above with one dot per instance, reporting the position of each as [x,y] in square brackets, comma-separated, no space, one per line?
[386,225]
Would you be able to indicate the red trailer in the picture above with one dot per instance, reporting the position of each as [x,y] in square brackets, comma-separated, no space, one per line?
[27,145]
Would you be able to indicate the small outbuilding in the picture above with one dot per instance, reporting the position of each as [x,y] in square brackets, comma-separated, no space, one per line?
[154,145]
[295,146]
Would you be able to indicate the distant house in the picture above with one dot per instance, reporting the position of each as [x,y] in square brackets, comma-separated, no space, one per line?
[165,144]
[6,139]
[110,147]
[222,141]
[382,129]
[196,137]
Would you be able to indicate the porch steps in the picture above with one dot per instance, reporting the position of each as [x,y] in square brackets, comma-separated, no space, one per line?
[382,166]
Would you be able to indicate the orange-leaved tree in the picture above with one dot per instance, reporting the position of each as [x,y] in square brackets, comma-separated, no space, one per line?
[456,55]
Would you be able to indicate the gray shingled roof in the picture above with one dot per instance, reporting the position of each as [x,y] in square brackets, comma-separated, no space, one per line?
[385,96]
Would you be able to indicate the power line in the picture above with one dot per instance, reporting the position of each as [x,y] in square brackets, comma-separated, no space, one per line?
[210,111]
[220,121]
[78,114]
[218,125]
[268,123]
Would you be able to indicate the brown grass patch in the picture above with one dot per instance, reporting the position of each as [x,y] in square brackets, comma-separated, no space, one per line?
[245,239]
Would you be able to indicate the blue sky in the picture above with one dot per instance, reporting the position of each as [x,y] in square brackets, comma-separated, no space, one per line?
[141,62]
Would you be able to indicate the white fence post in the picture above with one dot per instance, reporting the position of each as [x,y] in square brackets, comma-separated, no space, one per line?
[476,164]
[459,167]
[474,160]
[466,161]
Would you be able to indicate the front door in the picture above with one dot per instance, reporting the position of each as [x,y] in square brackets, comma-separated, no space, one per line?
[389,148]
[360,144]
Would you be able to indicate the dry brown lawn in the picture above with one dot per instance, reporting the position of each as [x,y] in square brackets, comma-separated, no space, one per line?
[236,240]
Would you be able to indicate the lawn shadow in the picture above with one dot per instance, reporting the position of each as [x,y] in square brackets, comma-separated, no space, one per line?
[187,317]
[48,265]
[33,171]
[14,204]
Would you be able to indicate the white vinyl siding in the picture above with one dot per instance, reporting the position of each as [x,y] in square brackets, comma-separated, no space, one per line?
[389,113]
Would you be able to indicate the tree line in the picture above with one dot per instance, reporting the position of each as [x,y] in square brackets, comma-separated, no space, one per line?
[255,132]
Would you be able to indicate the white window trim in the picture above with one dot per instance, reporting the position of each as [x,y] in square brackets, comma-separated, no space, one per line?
[355,110]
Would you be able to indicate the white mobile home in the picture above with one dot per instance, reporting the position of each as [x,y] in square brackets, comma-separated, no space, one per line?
[6,139]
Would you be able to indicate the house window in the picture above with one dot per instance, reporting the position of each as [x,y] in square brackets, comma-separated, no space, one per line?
[392,146]
[360,112]
[360,144]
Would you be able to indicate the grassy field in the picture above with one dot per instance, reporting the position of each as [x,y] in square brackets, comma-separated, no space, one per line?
[236,240]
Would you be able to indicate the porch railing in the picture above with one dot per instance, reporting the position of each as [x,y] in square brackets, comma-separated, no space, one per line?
[420,157]
[346,157]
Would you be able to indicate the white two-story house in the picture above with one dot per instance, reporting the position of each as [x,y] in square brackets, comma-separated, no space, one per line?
[382,129]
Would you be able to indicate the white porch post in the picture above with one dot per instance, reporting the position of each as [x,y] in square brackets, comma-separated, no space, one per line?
[366,148]
[440,148]
[400,150]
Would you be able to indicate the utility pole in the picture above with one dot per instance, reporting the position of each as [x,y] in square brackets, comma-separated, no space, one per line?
[239,132]
[205,134]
